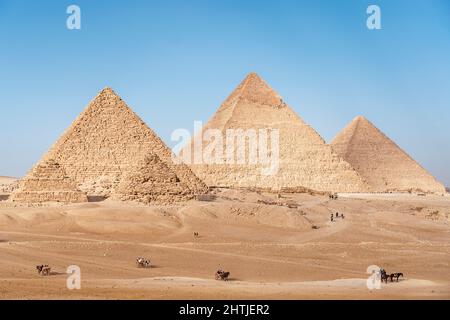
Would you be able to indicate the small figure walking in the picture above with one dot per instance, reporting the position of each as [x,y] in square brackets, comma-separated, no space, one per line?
[337,214]
[331,218]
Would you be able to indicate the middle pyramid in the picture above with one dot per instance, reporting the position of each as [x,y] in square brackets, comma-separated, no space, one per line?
[304,159]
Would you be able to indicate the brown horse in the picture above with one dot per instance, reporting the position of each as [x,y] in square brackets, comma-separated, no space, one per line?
[396,275]
[384,275]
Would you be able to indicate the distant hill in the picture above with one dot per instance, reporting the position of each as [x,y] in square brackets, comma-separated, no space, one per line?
[6,179]
[8,184]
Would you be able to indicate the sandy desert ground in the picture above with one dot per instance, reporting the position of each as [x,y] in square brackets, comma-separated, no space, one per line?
[267,242]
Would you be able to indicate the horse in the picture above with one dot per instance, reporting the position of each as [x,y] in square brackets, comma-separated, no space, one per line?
[222,275]
[384,276]
[396,275]
[142,263]
[43,270]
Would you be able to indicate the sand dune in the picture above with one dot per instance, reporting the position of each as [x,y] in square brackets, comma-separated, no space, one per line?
[271,250]
[7,180]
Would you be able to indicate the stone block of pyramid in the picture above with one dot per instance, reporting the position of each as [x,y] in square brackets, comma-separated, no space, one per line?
[48,182]
[106,141]
[381,162]
[305,160]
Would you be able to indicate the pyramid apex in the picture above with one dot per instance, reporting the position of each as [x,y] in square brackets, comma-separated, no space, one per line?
[107,90]
[105,94]
[359,118]
[253,77]
[350,130]
[254,89]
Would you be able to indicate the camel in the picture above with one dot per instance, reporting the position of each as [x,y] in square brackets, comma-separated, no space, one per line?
[222,275]
[43,270]
[142,263]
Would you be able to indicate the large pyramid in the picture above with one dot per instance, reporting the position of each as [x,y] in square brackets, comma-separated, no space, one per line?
[305,160]
[380,161]
[106,141]
[48,182]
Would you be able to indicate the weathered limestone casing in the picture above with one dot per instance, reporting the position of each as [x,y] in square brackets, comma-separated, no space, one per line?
[305,160]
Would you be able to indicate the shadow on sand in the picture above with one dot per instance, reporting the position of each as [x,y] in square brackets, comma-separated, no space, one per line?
[233,279]
[96,198]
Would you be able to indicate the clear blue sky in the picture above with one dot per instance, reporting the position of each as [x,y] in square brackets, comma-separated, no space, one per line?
[174,62]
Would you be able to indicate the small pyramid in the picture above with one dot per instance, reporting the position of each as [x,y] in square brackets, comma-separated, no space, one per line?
[152,181]
[48,182]
[108,139]
[383,164]
[305,160]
